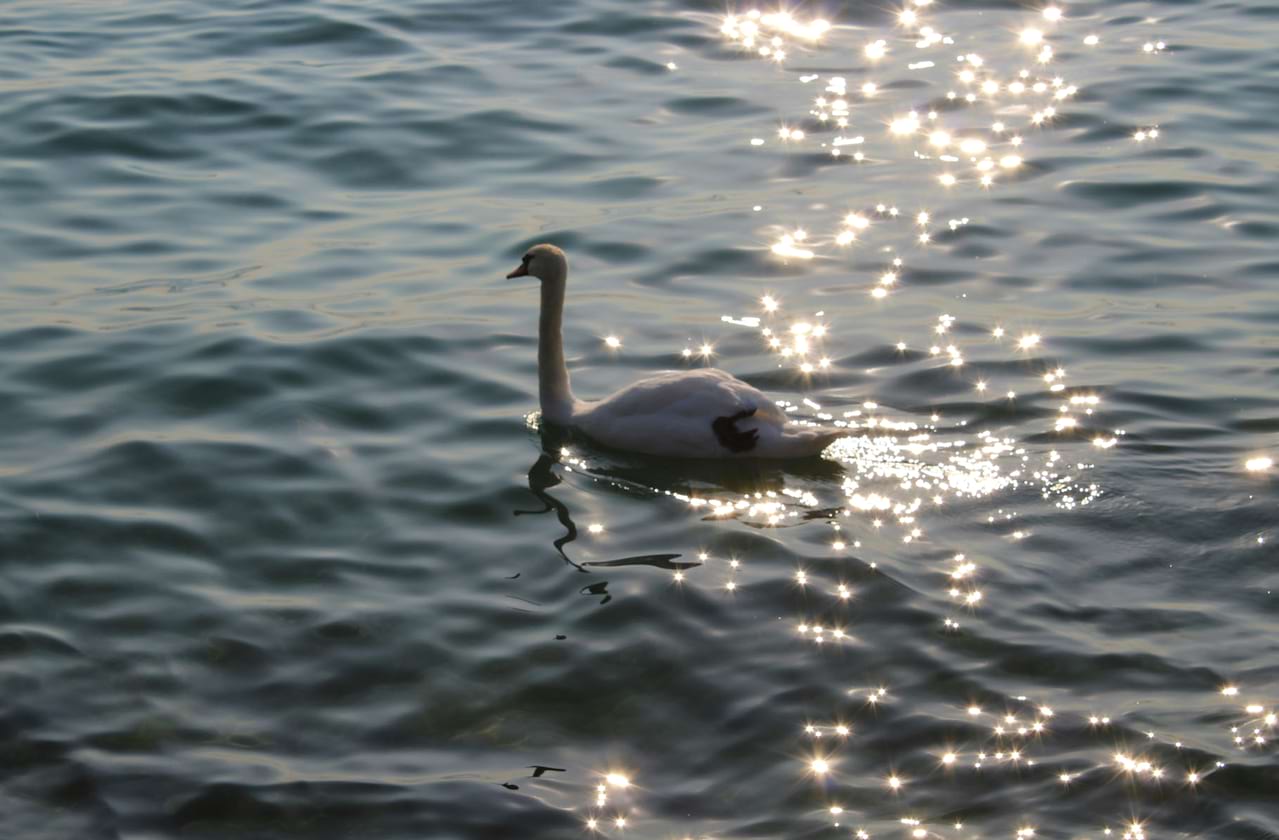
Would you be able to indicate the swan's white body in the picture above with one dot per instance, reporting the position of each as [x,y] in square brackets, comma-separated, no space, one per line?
[673,413]
[703,413]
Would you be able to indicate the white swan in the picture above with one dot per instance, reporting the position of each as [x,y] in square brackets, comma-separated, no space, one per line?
[702,413]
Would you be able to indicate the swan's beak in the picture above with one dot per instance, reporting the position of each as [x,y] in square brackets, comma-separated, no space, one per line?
[522,271]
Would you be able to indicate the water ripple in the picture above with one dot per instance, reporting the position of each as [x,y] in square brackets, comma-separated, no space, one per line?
[285,553]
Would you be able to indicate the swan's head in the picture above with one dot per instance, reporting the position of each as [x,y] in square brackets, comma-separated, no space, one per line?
[545,262]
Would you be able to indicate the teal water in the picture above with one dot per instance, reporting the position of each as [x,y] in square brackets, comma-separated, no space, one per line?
[283,553]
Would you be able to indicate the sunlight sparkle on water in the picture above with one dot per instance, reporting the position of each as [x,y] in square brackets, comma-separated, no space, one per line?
[903,465]
[786,247]
[903,126]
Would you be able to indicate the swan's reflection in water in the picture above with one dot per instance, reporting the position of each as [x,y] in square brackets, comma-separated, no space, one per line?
[759,494]
[542,477]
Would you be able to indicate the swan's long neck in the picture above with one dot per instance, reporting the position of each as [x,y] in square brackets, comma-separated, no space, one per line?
[552,373]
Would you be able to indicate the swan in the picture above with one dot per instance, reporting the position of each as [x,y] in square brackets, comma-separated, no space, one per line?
[704,413]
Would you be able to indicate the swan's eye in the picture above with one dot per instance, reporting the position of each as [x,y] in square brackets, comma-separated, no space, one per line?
[527,257]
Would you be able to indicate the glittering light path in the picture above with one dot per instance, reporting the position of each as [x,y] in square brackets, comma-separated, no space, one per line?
[976,127]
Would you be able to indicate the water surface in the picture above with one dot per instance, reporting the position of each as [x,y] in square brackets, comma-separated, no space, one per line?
[285,555]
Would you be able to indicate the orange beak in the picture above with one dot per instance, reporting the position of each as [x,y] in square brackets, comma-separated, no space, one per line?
[522,271]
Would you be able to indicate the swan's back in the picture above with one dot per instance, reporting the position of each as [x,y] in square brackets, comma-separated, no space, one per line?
[706,392]
[696,414]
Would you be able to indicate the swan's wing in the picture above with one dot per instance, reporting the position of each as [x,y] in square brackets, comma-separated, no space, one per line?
[700,394]
[676,414]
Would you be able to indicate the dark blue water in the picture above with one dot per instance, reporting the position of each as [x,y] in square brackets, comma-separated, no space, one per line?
[283,553]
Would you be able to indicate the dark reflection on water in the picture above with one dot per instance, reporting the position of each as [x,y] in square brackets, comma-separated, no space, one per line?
[541,477]
[273,559]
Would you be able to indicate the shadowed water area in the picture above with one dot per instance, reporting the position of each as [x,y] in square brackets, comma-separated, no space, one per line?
[285,554]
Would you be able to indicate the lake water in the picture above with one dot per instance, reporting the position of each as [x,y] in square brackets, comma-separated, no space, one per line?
[283,553]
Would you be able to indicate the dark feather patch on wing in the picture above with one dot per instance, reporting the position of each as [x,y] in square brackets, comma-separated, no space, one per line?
[730,437]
